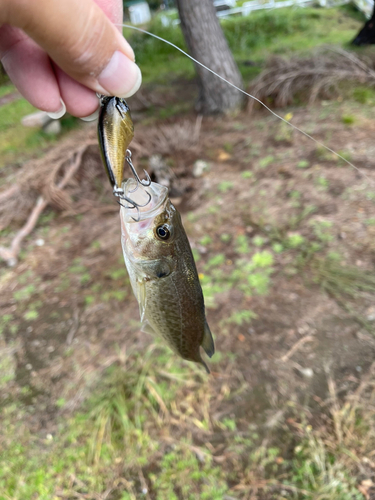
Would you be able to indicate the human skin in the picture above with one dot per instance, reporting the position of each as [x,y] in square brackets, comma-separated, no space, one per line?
[58,51]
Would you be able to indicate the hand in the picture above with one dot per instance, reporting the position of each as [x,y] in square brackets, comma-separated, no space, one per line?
[59,53]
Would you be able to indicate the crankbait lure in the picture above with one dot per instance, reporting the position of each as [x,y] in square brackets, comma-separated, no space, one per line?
[115,133]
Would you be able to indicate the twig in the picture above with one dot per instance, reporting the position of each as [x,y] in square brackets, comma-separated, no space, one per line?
[296,346]
[74,328]
[197,128]
[143,482]
[10,254]
[335,412]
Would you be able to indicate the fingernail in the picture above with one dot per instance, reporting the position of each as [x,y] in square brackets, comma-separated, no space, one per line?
[60,113]
[122,77]
[92,117]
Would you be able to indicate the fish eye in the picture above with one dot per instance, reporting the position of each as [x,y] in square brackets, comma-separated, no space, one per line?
[163,232]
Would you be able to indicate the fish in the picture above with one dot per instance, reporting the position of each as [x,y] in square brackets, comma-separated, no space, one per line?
[163,273]
[115,133]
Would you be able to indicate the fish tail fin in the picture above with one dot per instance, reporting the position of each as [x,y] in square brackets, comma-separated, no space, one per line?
[208,341]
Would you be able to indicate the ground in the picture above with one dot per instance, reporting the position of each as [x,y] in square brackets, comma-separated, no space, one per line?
[283,235]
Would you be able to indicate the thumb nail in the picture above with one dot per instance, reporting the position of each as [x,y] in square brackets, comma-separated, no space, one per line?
[92,117]
[121,77]
[59,113]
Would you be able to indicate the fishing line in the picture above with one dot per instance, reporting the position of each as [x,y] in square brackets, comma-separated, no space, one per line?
[252,97]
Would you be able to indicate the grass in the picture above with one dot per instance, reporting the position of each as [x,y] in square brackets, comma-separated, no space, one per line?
[249,274]
[7,88]
[133,408]
[343,280]
[133,402]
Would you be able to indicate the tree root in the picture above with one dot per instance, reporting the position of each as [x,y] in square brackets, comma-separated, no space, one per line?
[10,254]
[5,195]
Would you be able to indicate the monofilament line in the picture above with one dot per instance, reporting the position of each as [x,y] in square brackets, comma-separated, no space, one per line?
[252,97]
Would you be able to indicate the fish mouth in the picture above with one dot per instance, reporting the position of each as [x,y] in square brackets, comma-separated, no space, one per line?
[158,199]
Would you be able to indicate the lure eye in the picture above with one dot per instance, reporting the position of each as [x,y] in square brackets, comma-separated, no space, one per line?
[163,232]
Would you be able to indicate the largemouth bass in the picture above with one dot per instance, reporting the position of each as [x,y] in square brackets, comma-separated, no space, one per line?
[163,275]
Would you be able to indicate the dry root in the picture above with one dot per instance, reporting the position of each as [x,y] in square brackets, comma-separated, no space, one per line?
[53,193]
[52,180]
[170,139]
[318,75]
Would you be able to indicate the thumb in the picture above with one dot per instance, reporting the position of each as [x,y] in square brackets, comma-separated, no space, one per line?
[81,40]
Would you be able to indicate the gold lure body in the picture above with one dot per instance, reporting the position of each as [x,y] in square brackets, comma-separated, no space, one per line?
[115,133]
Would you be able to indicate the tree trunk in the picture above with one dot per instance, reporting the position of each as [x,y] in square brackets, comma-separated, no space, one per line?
[366,35]
[207,43]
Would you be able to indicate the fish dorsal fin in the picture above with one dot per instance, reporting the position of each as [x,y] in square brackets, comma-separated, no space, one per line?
[208,341]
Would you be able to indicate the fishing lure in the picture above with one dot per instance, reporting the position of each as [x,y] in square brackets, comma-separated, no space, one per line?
[115,133]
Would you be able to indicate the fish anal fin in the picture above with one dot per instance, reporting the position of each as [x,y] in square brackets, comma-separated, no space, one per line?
[208,341]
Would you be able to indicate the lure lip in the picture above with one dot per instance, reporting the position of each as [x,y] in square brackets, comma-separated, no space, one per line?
[159,198]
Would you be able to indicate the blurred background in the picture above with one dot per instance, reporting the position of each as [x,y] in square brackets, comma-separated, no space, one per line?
[283,232]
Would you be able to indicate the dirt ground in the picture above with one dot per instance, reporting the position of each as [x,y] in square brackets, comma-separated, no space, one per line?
[69,310]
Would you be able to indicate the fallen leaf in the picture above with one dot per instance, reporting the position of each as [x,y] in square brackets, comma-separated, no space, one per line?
[223,155]
[364,487]
[367,483]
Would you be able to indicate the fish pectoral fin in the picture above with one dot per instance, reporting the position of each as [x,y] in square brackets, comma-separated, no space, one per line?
[208,341]
[147,328]
[156,269]
[141,298]
[201,362]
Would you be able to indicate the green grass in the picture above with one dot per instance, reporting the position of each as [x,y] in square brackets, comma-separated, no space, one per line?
[7,88]
[131,405]
[133,436]
[250,275]
[342,281]
[146,424]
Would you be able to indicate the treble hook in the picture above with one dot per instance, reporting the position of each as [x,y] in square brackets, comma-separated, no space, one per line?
[119,193]
[146,182]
